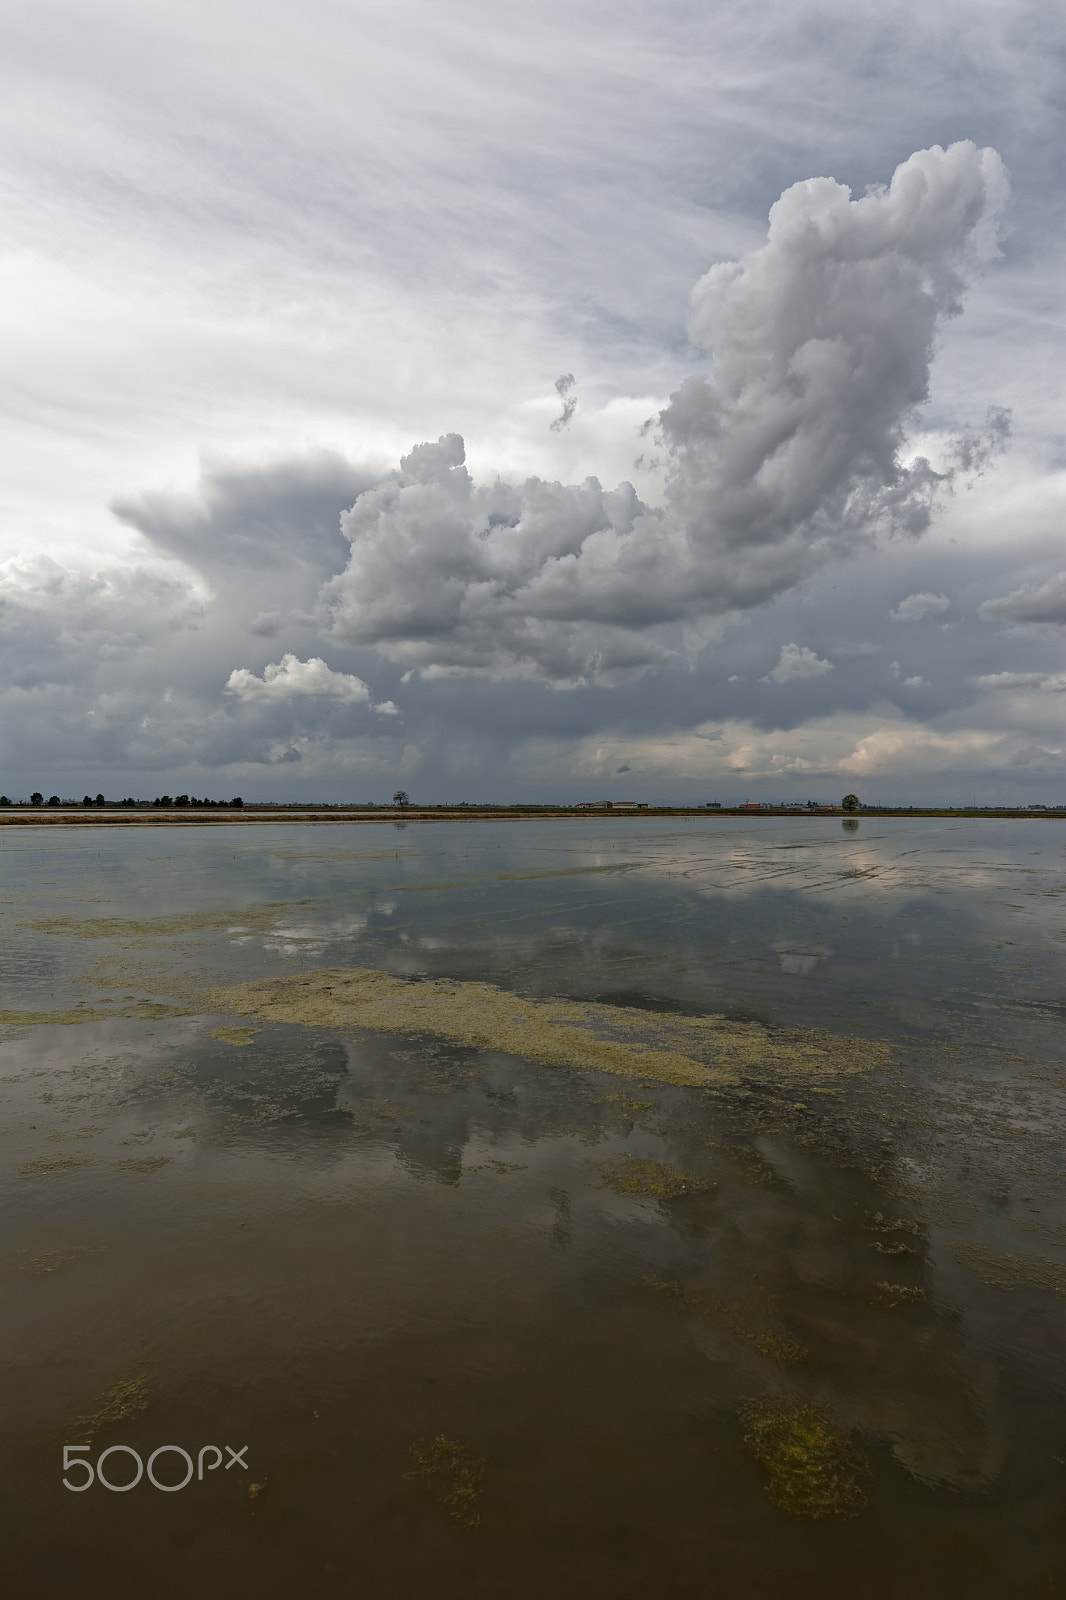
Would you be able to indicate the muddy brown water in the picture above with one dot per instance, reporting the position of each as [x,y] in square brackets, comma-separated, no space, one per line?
[661,1208]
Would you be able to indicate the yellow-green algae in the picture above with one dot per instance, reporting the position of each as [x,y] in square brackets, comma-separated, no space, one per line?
[46,1165]
[563,872]
[775,1347]
[451,1475]
[237,1036]
[626,1107]
[247,919]
[142,1010]
[128,1394]
[51,1260]
[641,1179]
[709,1051]
[815,1470]
[889,1295]
[877,1222]
[1012,1271]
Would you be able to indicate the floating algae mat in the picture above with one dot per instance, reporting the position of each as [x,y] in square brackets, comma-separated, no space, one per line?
[641,1179]
[602,1207]
[141,1010]
[815,1470]
[452,1476]
[666,1048]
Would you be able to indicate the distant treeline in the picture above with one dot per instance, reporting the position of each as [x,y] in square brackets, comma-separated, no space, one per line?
[163,800]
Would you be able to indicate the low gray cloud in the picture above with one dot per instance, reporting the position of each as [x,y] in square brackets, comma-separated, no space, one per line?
[59,623]
[796,661]
[917,606]
[788,456]
[1033,602]
[1045,682]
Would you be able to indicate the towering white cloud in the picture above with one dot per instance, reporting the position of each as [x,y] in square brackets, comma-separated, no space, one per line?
[788,455]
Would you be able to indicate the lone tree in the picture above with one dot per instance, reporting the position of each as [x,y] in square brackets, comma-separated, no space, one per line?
[36,798]
[401,799]
[850,802]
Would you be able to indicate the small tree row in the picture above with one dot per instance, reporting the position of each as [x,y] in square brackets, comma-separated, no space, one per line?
[163,800]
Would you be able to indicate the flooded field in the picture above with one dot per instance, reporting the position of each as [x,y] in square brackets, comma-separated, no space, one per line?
[575,1209]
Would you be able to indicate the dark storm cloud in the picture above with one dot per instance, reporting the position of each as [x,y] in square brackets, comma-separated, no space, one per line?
[789,456]
[254,518]
[166,665]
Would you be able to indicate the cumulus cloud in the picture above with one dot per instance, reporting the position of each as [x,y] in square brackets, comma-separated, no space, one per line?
[1045,682]
[786,456]
[815,757]
[293,679]
[1039,603]
[917,606]
[902,749]
[60,621]
[797,661]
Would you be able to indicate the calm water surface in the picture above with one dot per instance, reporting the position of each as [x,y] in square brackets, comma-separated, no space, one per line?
[495,1328]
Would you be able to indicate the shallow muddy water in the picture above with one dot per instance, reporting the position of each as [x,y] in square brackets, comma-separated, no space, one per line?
[600,1208]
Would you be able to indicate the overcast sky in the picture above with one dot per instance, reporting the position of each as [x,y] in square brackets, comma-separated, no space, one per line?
[552,401]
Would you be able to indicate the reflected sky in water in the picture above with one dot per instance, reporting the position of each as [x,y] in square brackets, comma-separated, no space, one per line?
[344,1247]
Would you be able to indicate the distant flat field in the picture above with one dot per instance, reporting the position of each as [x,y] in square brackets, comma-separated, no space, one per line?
[150,816]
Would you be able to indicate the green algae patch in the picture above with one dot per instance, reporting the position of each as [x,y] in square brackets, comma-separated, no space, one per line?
[705,1052]
[564,872]
[887,1296]
[625,1106]
[46,1166]
[640,1179]
[815,1470]
[1012,1271]
[127,1395]
[559,1033]
[52,1260]
[877,1222]
[237,1036]
[141,1011]
[703,1303]
[248,919]
[778,1348]
[452,1476]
